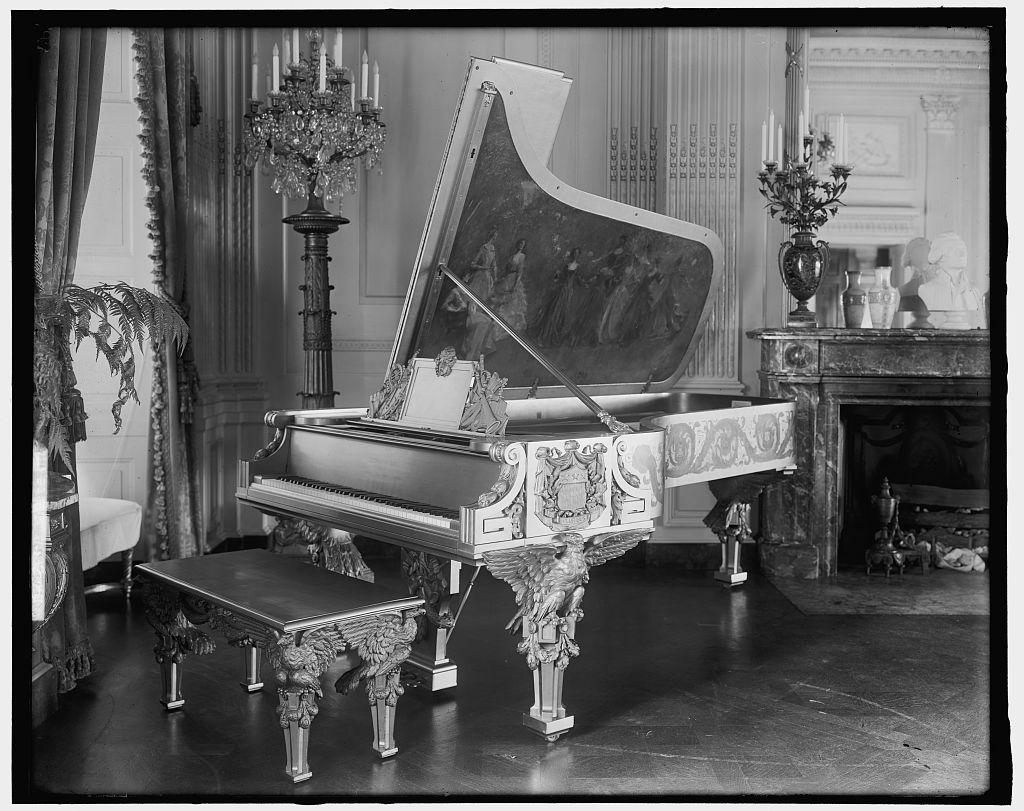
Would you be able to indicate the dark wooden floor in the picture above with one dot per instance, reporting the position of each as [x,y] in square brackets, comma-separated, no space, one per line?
[682,688]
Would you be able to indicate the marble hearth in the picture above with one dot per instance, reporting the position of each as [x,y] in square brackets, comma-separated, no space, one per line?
[825,370]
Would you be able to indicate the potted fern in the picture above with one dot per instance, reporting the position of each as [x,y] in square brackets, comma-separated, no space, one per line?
[117,318]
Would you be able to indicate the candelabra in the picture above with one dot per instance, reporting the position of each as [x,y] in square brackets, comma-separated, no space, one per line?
[805,202]
[310,134]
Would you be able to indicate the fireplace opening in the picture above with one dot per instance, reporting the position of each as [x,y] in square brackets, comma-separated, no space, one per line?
[935,457]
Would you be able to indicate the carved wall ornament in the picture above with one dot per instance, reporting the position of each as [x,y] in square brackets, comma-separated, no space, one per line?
[940,111]
[924,64]
[387,402]
[485,407]
[793,60]
[570,485]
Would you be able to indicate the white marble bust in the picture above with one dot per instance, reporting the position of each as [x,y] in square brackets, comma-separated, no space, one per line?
[950,289]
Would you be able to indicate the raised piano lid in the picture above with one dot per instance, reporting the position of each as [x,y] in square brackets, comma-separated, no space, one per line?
[621,315]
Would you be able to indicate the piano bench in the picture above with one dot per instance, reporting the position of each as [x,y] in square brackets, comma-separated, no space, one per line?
[303,617]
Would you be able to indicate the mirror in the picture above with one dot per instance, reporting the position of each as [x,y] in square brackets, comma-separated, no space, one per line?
[915,102]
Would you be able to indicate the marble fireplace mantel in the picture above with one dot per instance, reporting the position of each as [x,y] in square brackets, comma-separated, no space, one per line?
[824,369]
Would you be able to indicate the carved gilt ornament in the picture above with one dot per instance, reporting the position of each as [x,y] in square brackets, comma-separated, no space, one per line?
[570,485]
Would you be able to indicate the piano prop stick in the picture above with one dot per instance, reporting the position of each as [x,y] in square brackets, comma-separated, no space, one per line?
[559,455]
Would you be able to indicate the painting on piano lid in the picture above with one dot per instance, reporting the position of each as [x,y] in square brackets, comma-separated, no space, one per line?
[608,301]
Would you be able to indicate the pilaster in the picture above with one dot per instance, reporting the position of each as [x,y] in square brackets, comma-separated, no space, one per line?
[232,400]
[943,193]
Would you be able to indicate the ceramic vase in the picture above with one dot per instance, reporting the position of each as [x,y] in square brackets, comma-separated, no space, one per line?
[883,299]
[802,262]
[855,298]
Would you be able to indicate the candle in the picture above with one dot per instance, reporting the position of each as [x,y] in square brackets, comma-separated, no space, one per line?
[780,145]
[376,84]
[807,104]
[352,91]
[323,70]
[277,69]
[764,142]
[771,134]
[800,146]
[337,48]
[841,147]
[269,85]
[255,79]
[363,77]
[296,54]
[287,56]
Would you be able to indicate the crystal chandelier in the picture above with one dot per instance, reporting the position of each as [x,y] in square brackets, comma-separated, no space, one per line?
[313,129]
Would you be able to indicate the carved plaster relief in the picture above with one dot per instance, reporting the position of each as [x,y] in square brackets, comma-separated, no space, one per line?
[878,146]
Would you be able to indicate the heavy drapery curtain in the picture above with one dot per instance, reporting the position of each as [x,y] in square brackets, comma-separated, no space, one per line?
[70,86]
[162,70]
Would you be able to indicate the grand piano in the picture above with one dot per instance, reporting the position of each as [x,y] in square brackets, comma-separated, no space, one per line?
[528,420]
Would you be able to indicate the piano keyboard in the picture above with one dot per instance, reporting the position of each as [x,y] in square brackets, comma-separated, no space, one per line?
[375,504]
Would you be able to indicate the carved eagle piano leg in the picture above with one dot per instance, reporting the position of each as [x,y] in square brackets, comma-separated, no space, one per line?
[549,584]
[436,580]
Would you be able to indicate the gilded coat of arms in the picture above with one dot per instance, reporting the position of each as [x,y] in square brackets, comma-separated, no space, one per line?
[570,486]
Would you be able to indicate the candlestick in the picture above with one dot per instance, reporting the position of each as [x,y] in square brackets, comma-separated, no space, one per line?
[764,142]
[364,71]
[376,84]
[337,48]
[323,70]
[277,69]
[296,53]
[771,134]
[780,146]
[841,136]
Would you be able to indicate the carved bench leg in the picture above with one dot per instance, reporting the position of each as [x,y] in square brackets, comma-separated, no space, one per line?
[176,638]
[383,714]
[170,672]
[296,712]
[251,661]
[435,580]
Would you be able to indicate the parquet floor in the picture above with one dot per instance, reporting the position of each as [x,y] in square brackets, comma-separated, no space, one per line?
[682,689]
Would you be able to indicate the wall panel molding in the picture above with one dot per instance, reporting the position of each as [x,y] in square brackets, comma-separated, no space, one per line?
[704,95]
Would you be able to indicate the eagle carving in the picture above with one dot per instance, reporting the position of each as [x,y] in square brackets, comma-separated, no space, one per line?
[548,580]
[383,643]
